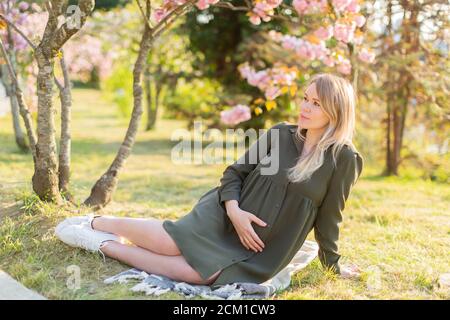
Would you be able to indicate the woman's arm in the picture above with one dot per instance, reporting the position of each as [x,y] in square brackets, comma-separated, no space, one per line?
[235,174]
[329,216]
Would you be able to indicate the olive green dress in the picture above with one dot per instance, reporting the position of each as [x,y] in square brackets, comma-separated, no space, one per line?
[206,236]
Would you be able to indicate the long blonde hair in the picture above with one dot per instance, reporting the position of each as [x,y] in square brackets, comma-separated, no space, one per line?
[338,100]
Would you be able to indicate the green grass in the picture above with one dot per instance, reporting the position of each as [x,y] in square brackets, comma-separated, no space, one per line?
[396,229]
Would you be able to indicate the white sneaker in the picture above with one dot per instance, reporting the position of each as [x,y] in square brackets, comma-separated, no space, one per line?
[77,220]
[78,235]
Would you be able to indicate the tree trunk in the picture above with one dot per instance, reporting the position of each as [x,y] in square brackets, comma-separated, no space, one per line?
[158,89]
[18,133]
[65,97]
[45,178]
[388,169]
[15,88]
[400,89]
[148,99]
[103,189]
[46,174]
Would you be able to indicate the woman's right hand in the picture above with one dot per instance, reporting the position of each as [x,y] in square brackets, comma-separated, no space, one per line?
[242,222]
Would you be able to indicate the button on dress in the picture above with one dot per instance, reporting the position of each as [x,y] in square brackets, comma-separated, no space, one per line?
[206,236]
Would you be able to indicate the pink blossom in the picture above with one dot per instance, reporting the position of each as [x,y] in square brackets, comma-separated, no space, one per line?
[255,19]
[23,6]
[310,6]
[328,61]
[272,93]
[345,67]
[204,4]
[235,115]
[340,5]
[359,20]
[366,55]
[300,6]
[275,35]
[353,7]
[263,10]
[159,14]
[343,32]
[346,5]
[324,33]
[270,80]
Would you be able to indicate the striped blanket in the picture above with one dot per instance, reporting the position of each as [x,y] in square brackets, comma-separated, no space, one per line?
[154,284]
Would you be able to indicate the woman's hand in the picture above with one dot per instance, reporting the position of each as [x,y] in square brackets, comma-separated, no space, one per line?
[350,271]
[242,222]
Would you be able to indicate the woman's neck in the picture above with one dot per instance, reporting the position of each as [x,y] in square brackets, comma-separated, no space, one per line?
[312,138]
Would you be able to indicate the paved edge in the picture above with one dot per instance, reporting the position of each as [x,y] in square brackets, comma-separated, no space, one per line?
[10,289]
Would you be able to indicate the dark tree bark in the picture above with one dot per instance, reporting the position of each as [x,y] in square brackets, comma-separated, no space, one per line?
[45,178]
[400,80]
[15,88]
[65,96]
[148,100]
[10,92]
[18,133]
[102,191]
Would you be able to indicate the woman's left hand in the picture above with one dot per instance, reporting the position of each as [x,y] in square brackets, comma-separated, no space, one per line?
[350,271]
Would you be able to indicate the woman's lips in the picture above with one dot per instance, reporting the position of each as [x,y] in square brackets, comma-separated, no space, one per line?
[303,117]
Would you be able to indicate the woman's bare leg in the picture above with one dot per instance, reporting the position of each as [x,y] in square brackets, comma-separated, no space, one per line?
[174,267]
[147,233]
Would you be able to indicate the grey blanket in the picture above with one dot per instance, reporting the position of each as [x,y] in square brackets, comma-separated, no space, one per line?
[154,284]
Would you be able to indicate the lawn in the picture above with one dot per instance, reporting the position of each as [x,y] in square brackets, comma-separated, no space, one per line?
[396,229]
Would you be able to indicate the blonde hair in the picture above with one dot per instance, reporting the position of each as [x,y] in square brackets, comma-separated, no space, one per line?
[338,100]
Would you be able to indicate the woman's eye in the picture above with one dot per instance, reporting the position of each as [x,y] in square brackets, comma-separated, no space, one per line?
[317,104]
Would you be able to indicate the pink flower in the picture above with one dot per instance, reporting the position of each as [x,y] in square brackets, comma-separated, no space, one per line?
[270,80]
[366,55]
[359,20]
[328,61]
[235,115]
[340,5]
[324,33]
[255,19]
[300,6]
[204,4]
[159,14]
[23,6]
[263,10]
[275,35]
[353,7]
[343,32]
[345,67]
[310,6]
[272,93]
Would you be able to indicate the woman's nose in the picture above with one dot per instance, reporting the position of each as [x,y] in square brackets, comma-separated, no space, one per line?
[306,107]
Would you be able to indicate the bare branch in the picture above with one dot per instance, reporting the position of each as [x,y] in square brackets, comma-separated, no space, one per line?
[175,12]
[56,37]
[23,109]
[145,16]
[12,25]
[228,5]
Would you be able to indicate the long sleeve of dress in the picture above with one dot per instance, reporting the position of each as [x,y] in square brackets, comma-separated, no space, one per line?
[235,174]
[326,227]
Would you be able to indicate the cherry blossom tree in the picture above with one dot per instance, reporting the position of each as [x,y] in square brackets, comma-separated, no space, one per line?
[342,19]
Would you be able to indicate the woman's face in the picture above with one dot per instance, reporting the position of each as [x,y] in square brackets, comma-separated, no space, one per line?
[311,114]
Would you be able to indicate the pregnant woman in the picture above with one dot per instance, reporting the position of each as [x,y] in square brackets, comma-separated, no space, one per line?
[249,227]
